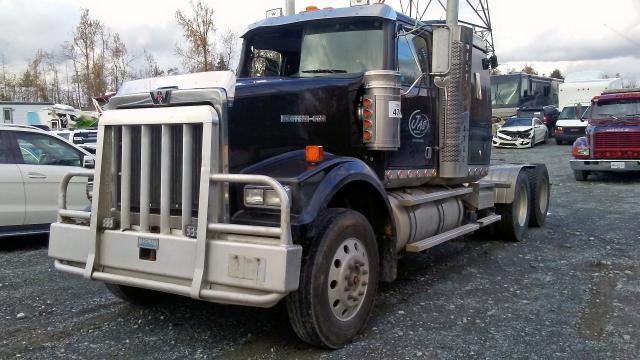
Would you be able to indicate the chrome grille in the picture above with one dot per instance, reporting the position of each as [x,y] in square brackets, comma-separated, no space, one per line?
[617,140]
[164,199]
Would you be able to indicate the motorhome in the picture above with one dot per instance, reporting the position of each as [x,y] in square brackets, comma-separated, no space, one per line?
[513,91]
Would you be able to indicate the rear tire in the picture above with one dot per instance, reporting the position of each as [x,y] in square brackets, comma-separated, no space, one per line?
[515,216]
[581,175]
[135,295]
[539,196]
[338,280]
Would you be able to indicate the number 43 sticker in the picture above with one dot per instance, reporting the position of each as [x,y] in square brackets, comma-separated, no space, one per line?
[394,109]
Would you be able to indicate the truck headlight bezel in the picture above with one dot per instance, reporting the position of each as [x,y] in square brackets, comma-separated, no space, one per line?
[255,196]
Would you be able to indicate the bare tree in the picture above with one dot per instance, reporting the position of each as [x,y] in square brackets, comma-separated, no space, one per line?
[120,62]
[199,31]
[228,43]
[84,39]
[150,68]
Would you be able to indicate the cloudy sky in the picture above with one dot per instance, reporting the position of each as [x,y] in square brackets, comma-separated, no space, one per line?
[571,35]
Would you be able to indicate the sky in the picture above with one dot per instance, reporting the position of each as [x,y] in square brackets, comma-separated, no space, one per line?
[572,35]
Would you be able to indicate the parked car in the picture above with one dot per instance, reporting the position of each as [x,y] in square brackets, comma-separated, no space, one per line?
[547,114]
[32,165]
[521,132]
[84,138]
[571,124]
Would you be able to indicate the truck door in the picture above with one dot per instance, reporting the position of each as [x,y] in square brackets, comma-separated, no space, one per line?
[11,184]
[418,124]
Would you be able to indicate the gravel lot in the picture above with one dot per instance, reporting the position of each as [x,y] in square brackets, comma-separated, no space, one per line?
[570,290]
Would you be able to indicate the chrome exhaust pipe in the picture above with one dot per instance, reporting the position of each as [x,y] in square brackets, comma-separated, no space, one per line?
[290,7]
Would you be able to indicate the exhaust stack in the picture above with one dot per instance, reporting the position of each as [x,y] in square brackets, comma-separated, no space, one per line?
[290,7]
[453,7]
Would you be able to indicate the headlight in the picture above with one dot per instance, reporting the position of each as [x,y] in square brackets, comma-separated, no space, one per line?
[261,196]
[253,196]
[559,128]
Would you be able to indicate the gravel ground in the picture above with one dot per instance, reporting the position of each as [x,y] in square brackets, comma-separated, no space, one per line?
[570,290]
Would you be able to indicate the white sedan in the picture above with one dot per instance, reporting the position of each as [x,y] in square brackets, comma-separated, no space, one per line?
[521,133]
[32,165]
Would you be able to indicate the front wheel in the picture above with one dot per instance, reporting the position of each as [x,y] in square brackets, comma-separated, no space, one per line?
[338,280]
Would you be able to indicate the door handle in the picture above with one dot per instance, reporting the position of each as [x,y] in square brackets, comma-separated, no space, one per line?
[33,175]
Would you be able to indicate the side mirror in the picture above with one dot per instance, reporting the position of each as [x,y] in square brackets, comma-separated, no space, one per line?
[441,62]
[88,162]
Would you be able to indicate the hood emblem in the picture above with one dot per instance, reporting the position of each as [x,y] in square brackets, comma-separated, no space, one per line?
[161,96]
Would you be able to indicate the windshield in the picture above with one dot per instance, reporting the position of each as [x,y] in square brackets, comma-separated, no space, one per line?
[569,112]
[315,49]
[616,109]
[341,48]
[517,122]
[505,91]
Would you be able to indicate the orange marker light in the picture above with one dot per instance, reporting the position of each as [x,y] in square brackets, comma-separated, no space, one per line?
[367,124]
[367,114]
[367,103]
[367,136]
[314,154]
[312,8]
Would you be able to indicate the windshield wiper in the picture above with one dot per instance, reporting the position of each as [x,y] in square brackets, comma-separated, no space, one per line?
[324,71]
[632,115]
[609,115]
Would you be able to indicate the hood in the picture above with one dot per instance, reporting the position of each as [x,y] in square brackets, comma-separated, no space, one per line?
[272,116]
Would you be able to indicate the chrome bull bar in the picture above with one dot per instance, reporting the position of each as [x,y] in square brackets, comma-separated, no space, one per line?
[213,232]
[63,212]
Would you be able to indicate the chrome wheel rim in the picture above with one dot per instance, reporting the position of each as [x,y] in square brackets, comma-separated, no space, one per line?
[522,207]
[348,279]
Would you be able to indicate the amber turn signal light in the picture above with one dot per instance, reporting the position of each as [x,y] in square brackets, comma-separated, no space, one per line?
[367,124]
[367,136]
[367,103]
[314,154]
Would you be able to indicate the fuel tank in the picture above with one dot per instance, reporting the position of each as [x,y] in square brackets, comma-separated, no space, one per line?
[271,116]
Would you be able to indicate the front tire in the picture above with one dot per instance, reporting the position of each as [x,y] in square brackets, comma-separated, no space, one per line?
[338,280]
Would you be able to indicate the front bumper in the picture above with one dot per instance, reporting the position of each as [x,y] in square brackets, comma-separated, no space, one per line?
[605,165]
[567,137]
[517,143]
[223,263]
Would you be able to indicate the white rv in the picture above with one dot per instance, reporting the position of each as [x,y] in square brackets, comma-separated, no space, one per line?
[18,112]
[575,97]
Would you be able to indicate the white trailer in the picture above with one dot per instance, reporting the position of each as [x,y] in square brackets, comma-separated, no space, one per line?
[582,90]
[18,112]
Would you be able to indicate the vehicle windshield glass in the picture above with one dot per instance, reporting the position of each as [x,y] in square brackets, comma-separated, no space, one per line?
[341,48]
[569,112]
[616,109]
[315,49]
[517,122]
[505,91]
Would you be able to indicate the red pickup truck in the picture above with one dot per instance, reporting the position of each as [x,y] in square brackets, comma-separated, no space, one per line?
[612,141]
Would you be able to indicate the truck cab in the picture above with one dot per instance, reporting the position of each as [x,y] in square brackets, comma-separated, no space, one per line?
[612,141]
[351,137]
